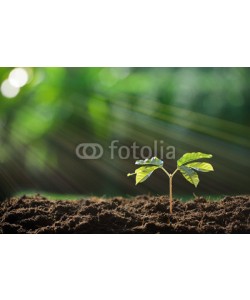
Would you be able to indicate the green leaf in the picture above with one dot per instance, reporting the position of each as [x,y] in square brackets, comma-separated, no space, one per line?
[154,161]
[190,175]
[201,166]
[143,173]
[187,157]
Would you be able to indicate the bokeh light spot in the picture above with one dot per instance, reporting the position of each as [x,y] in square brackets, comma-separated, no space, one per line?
[18,77]
[8,90]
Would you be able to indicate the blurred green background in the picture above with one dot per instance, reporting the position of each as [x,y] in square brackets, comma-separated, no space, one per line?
[46,112]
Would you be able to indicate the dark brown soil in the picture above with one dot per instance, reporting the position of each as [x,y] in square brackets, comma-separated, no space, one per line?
[142,214]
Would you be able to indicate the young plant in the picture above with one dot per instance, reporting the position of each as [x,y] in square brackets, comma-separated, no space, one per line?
[187,165]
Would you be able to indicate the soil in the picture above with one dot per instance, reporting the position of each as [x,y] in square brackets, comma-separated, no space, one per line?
[142,214]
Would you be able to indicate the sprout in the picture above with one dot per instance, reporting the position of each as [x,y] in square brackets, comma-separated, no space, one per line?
[187,165]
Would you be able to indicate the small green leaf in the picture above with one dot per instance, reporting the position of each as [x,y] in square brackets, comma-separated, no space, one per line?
[143,173]
[190,175]
[201,166]
[191,157]
[154,161]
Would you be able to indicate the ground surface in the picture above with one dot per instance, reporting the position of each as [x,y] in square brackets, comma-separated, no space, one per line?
[142,214]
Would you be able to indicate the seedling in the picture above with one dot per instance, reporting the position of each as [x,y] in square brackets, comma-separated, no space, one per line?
[186,165]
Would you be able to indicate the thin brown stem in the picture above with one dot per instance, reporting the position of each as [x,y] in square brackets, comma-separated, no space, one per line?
[166,172]
[170,194]
[176,170]
[170,188]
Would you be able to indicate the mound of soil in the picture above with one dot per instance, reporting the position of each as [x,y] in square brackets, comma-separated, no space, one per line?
[142,214]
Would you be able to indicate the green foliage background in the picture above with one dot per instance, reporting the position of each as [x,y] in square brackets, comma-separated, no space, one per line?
[193,109]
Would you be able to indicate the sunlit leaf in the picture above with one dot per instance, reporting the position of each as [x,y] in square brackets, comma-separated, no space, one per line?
[143,173]
[190,175]
[154,161]
[201,166]
[187,157]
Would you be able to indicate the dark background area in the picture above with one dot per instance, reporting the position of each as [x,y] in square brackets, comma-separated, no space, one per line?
[192,109]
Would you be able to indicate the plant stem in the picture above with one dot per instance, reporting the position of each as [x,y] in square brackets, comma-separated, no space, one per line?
[170,194]
[175,171]
[166,172]
[170,188]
